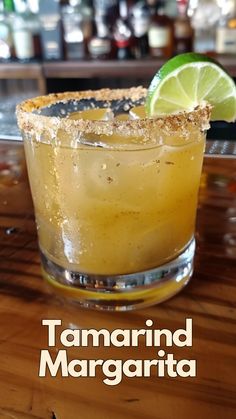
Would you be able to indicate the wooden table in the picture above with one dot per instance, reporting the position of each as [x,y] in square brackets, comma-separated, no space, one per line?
[209,299]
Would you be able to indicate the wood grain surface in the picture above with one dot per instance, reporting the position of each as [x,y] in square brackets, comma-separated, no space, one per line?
[209,299]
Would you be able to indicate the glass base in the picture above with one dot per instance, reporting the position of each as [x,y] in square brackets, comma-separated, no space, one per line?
[121,292]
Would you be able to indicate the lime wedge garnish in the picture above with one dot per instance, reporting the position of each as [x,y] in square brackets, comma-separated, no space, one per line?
[189,80]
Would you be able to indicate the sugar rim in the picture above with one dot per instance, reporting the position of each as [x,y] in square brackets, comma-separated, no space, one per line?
[148,128]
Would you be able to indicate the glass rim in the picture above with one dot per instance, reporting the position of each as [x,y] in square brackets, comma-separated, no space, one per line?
[149,128]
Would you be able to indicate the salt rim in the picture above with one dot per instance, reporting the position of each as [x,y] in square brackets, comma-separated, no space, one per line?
[147,128]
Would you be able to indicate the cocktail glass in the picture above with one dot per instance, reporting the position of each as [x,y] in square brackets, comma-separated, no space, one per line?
[115,198]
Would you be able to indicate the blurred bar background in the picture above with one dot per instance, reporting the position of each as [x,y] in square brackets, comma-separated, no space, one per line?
[51,45]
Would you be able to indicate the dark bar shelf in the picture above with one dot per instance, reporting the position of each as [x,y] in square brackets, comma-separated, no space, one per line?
[24,70]
[145,68]
[135,69]
[110,68]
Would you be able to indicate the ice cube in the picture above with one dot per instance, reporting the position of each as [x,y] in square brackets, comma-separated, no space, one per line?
[138,112]
[122,117]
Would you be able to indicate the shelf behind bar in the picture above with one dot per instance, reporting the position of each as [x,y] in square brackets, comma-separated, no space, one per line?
[135,69]
[145,68]
[109,68]
[19,70]
[23,69]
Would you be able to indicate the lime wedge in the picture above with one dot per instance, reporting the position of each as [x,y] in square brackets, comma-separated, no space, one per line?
[189,80]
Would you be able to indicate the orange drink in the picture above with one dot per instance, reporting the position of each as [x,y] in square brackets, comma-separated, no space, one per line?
[115,195]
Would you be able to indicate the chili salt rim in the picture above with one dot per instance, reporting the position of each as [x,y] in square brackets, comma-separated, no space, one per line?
[183,122]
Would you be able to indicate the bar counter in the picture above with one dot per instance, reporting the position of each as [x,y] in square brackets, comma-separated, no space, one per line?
[209,300]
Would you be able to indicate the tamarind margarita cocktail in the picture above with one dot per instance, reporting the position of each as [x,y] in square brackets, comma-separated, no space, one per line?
[115,194]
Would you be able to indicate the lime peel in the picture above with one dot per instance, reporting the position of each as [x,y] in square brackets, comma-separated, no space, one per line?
[190,80]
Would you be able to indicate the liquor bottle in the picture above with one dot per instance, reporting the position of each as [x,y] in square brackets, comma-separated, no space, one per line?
[226,33]
[22,32]
[33,6]
[36,32]
[204,19]
[123,36]
[107,8]
[161,32]
[85,10]
[87,13]
[100,46]
[5,36]
[9,6]
[183,31]
[139,20]
[72,20]
[51,29]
